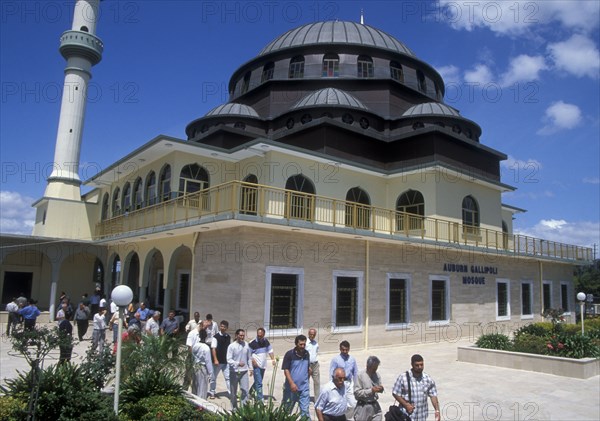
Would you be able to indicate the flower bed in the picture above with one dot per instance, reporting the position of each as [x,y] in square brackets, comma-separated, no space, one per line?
[581,368]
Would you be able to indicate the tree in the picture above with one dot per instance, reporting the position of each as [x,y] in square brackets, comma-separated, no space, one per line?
[587,279]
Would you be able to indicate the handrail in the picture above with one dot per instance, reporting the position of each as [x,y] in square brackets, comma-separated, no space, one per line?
[237,197]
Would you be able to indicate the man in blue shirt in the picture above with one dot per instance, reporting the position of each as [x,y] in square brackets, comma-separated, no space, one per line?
[348,363]
[296,367]
[169,326]
[29,314]
[332,403]
[145,314]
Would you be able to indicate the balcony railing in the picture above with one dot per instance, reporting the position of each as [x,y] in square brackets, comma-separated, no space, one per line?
[237,197]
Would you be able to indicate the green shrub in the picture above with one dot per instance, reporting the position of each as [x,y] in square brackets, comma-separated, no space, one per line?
[532,344]
[542,329]
[261,412]
[149,383]
[578,346]
[63,394]
[12,409]
[171,408]
[494,341]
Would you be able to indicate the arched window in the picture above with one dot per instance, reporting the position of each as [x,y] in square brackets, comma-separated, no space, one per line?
[104,212]
[411,211]
[470,215]
[98,273]
[421,81]
[364,66]
[331,65]
[299,205]
[504,235]
[164,183]
[126,200]
[297,67]
[396,72]
[138,198]
[249,195]
[150,193]
[246,82]
[267,73]
[192,179]
[358,210]
[116,203]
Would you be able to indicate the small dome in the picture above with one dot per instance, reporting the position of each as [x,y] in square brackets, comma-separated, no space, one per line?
[336,32]
[431,108]
[232,108]
[329,97]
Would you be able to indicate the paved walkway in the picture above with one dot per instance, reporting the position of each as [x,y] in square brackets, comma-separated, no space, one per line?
[467,392]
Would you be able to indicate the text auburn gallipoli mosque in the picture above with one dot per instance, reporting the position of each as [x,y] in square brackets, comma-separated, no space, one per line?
[334,189]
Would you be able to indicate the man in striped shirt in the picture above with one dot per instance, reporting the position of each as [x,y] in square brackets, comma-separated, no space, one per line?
[260,347]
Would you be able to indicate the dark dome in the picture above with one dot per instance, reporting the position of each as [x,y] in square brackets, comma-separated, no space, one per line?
[232,108]
[431,108]
[336,32]
[329,97]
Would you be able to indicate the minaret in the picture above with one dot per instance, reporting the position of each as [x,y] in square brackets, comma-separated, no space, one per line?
[82,49]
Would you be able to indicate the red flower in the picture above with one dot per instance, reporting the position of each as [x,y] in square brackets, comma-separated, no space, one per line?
[560,345]
[550,347]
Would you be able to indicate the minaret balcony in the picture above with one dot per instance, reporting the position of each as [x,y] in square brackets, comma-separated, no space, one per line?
[82,44]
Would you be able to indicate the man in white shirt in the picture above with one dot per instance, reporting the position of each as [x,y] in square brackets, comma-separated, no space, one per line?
[312,347]
[13,315]
[238,357]
[152,326]
[193,323]
[203,368]
[99,323]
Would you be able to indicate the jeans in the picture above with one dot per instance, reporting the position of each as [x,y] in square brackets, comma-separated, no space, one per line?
[259,373]
[213,384]
[301,396]
[238,378]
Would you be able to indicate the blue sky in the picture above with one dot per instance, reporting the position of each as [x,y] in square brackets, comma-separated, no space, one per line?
[527,72]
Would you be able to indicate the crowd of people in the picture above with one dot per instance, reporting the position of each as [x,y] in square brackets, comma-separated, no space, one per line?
[350,393]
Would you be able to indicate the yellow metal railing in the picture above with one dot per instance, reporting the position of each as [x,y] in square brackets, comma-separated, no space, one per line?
[237,197]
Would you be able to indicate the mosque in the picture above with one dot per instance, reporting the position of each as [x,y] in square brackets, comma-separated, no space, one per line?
[334,189]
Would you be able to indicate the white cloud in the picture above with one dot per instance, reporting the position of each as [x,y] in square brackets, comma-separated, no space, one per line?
[450,74]
[560,116]
[513,163]
[591,180]
[480,75]
[16,214]
[582,233]
[517,17]
[578,56]
[523,68]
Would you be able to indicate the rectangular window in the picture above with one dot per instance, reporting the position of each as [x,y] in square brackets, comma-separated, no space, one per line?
[439,299]
[546,295]
[284,299]
[564,297]
[347,300]
[398,299]
[502,299]
[526,300]
[183,290]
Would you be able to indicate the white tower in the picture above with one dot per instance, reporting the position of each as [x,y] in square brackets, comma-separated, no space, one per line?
[82,49]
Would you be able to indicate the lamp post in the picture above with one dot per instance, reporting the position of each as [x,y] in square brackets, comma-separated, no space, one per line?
[581,297]
[121,296]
